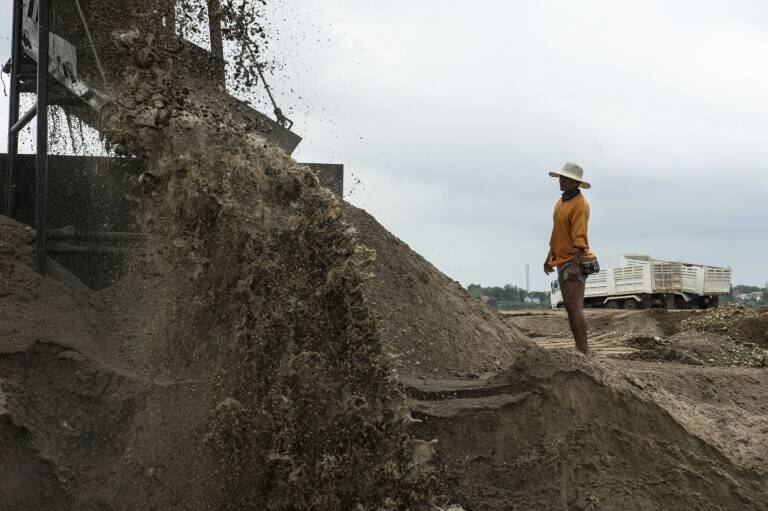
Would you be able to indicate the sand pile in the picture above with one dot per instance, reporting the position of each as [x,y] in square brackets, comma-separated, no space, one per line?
[267,308]
[70,383]
[425,316]
[265,383]
[559,431]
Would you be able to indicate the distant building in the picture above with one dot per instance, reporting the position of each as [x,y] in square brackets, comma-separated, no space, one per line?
[533,300]
[755,296]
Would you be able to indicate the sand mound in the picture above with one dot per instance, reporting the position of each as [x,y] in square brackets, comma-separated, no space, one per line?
[558,431]
[266,309]
[84,427]
[427,317]
[66,398]
[265,384]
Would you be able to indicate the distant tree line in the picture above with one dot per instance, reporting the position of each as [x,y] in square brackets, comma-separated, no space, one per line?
[510,297]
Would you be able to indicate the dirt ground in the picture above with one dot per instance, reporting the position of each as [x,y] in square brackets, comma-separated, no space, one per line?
[562,431]
[730,336]
[88,422]
[559,432]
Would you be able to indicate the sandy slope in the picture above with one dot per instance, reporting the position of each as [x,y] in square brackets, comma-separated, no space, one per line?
[85,424]
[427,317]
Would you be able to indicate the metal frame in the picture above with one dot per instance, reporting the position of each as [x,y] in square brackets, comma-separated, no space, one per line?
[19,82]
[41,176]
[13,110]
[16,124]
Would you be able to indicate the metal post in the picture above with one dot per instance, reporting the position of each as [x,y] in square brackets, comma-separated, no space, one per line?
[217,40]
[41,174]
[24,120]
[13,109]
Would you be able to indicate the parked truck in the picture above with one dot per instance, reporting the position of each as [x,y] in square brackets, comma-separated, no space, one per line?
[641,282]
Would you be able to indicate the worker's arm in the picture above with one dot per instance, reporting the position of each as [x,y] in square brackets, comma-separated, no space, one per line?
[548,268]
[579,226]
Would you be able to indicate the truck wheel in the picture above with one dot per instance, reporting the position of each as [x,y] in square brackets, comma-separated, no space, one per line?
[631,304]
[613,304]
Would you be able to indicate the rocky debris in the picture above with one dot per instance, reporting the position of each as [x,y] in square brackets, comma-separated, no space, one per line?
[746,354]
[739,335]
[719,319]
[715,351]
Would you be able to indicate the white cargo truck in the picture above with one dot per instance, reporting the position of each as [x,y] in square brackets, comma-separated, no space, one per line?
[641,282]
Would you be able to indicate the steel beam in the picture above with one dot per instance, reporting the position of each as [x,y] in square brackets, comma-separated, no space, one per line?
[16,128]
[13,110]
[41,174]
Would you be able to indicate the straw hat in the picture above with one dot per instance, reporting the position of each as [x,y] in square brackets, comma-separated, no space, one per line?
[574,172]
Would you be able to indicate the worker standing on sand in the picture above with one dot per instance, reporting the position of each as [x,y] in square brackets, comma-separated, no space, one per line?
[569,249]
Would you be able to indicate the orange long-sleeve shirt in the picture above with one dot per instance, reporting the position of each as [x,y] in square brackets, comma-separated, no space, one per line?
[569,231]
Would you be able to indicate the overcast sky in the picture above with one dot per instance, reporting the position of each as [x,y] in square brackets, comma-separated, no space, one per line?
[451,113]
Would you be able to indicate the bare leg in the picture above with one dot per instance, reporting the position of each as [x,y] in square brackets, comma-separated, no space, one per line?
[573,295]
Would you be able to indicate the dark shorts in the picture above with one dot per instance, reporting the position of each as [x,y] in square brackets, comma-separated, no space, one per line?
[561,275]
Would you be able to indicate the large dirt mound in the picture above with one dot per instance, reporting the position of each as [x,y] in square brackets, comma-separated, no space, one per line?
[71,384]
[427,317]
[560,431]
[266,308]
[84,425]
[265,384]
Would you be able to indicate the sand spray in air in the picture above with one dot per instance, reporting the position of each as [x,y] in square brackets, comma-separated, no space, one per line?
[266,291]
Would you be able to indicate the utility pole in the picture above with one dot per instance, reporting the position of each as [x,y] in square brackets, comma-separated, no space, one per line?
[528,278]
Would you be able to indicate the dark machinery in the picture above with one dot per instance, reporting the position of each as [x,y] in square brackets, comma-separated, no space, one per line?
[82,207]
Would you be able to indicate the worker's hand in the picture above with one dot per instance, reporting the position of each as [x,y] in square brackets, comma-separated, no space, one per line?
[573,271]
[548,267]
